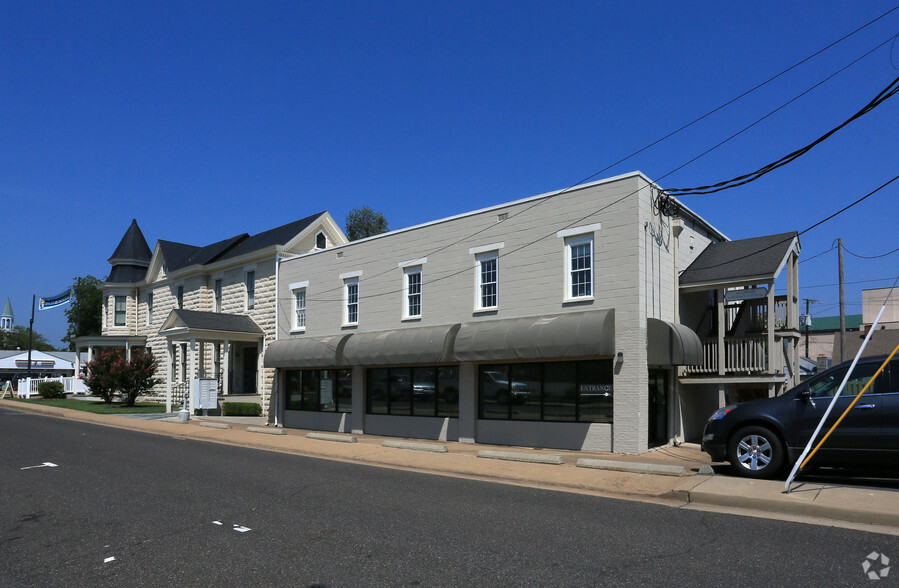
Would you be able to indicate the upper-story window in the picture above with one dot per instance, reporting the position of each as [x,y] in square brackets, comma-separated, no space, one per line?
[217,294]
[351,297]
[579,262]
[299,306]
[121,306]
[486,276]
[149,308]
[321,241]
[251,290]
[180,296]
[412,278]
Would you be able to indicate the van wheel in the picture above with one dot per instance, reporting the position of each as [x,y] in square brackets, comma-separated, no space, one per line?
[755,452]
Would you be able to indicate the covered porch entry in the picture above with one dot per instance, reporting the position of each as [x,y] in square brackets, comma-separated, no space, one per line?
[200,345]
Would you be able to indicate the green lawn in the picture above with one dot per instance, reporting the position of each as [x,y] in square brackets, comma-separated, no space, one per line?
[99,407]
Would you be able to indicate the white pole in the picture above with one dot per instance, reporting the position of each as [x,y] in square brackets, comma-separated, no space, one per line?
[808,447]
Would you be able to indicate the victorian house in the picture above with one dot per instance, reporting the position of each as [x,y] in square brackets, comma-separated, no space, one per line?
[206,312]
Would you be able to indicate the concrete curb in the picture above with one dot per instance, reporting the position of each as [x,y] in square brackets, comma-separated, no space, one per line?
[267,430]
[526,457]
[215,425]
[634,467]
[416,446]
[327,437]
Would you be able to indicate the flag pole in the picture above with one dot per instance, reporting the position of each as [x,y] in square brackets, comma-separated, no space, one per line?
[30,331]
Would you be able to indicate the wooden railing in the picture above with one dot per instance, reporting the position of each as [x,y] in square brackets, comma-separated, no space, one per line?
[742,355]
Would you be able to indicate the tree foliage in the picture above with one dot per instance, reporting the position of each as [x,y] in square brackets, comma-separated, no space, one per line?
[85,314]
[17,338]
[364,222]
[110,373]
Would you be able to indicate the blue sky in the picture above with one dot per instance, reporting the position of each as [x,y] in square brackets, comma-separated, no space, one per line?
[205,120]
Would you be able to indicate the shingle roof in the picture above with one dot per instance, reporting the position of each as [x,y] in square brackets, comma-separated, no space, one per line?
[732,261]
[126,274]
[133,245]
[216,321]
[181,255]
[277,236]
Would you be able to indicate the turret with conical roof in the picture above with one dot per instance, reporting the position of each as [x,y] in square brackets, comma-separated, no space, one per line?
[131,258]
[7,318]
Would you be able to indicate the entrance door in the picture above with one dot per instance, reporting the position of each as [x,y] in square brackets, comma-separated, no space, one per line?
[658,408]
[250,361]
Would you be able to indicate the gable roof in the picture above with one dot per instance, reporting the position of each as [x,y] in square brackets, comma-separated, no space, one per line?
[180,320]
[740,261]
[133,246]
[277,236]
[181,255]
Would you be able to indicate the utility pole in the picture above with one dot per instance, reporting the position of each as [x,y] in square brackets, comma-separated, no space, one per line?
[807,323]
[842,305]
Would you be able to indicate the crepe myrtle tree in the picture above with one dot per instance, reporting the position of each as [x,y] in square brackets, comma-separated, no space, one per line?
[110,373]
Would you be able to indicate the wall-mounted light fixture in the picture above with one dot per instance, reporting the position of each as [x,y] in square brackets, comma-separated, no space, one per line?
[620,357]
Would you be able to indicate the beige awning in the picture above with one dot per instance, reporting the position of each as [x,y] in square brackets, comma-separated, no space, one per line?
[307,352]
[415,345]
[671,344]
[573,334]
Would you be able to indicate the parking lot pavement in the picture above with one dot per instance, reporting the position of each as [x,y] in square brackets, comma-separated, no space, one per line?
[678,475]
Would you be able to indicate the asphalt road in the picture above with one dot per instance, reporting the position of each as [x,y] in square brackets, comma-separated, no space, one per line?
[173,511]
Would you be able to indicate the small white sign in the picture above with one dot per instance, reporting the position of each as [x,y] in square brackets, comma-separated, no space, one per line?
[745,294]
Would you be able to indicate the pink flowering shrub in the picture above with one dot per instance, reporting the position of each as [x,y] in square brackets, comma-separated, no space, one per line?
[110,372]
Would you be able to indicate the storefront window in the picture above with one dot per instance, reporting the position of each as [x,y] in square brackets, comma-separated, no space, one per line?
[563,391]
[319,390]
[420,391]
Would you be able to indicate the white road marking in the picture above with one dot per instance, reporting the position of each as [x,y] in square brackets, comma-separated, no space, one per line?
[46,464]
[241,528]
[108,559]
[216,522]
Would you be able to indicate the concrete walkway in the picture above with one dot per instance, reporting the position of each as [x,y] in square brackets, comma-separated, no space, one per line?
[678,476]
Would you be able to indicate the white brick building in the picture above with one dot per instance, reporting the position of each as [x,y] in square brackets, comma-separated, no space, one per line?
[553,321]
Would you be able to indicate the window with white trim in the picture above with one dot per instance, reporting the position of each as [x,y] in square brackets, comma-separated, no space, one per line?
[579,267]
[149,308]
[180,296]
[217,294]
[487,280]
[412,290]
[321,242]
[351,301]
[299,309]
[251,290]
[121,306]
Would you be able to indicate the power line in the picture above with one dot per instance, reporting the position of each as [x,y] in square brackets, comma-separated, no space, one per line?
[565,190]
[870,256]
[891,90]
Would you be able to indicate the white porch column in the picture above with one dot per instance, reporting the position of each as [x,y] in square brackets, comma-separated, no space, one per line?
[127,350]
[722,329]
[193,372]
[226,367]
[772,368]
[168,381]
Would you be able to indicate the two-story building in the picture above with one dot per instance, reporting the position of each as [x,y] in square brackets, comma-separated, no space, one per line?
[555,321]
[204,311]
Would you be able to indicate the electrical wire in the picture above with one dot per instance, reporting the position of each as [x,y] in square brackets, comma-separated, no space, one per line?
[891,90]
[832,247]
[870,256]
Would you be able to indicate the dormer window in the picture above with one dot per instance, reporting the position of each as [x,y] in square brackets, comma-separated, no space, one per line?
[321,242]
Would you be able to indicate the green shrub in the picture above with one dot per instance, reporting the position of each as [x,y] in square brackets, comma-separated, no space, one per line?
[241,409]
[51,390]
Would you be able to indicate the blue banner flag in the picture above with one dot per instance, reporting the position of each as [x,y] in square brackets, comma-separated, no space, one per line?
[54,301]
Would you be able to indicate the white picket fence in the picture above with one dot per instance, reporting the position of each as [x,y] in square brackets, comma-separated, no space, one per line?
[27,387]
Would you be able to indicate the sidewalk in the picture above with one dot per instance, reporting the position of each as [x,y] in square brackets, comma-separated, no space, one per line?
[677,476]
